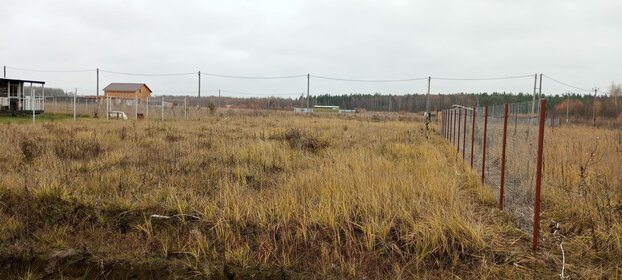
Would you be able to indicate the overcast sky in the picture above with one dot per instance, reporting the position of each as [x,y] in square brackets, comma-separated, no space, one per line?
[576,42]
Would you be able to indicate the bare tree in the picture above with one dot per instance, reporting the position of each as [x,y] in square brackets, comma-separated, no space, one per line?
[615,90]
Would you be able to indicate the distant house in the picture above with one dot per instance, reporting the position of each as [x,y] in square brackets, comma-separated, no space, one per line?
[127,91]
[15,98]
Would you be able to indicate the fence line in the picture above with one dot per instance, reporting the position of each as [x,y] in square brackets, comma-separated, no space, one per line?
[158,108]
[505,144]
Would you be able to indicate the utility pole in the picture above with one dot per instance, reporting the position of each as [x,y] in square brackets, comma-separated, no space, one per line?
[199,89]
[533,101]
[540,90]
[427,105]
[97,88]
[74,104]
[594,107]
[308,82]
[4,70]
[218,102]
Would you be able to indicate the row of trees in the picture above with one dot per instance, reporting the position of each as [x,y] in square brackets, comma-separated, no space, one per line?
[577,106]
[58,92]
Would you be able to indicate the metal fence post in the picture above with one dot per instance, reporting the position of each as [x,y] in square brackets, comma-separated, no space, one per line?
[459,111]
[464,135]
[484,144]
[445,123]
[442,122]
[452,126]
[453,134]
[474,115]
[536,213]
[442,130]
[74,104]
[505,136]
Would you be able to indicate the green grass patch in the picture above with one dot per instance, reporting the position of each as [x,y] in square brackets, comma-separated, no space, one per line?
[45,117]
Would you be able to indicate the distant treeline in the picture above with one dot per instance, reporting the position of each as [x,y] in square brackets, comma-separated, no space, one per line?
[579,106]
[58,92]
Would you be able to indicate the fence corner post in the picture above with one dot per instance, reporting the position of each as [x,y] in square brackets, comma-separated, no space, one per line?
[464,132]
[536,210]
[484,144]
[473,116]
[503,149]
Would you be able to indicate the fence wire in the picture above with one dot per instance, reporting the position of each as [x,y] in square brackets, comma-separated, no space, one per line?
[157,108]
[477,134]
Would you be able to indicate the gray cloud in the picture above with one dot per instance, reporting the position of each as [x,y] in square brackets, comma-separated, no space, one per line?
[574,41]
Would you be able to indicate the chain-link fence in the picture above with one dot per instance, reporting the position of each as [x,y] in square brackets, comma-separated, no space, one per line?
[155,108]
[504,145]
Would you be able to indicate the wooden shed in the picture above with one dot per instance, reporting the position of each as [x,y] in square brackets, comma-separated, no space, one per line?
[127,91]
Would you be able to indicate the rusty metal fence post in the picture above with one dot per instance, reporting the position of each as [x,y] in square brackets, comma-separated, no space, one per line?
[511,163]
[464,135]
[503,144]
[484,143]
[474,115]
[447,124]
[459,111]
[444,122]
[450,126]
[453,129]
[536,213]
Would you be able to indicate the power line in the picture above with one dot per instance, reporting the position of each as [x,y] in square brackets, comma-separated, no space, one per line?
[253,77]
[369,81]
[147,74]
[263,94]
[568,85]
[185,91]
[482,79]
[206,74]
[50,71]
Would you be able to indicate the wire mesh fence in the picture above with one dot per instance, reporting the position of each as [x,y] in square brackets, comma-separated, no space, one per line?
[503,143]
[155,108]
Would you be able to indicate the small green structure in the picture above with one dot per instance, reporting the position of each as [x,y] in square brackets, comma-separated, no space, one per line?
[329,109]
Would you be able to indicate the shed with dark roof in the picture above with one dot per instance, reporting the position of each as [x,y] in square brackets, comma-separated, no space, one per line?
[128,91]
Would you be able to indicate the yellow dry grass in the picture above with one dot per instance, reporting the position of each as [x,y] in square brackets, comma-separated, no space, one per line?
[582,192]
[271,195]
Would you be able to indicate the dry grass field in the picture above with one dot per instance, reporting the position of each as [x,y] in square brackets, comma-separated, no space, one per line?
[582,192]
[281,196]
